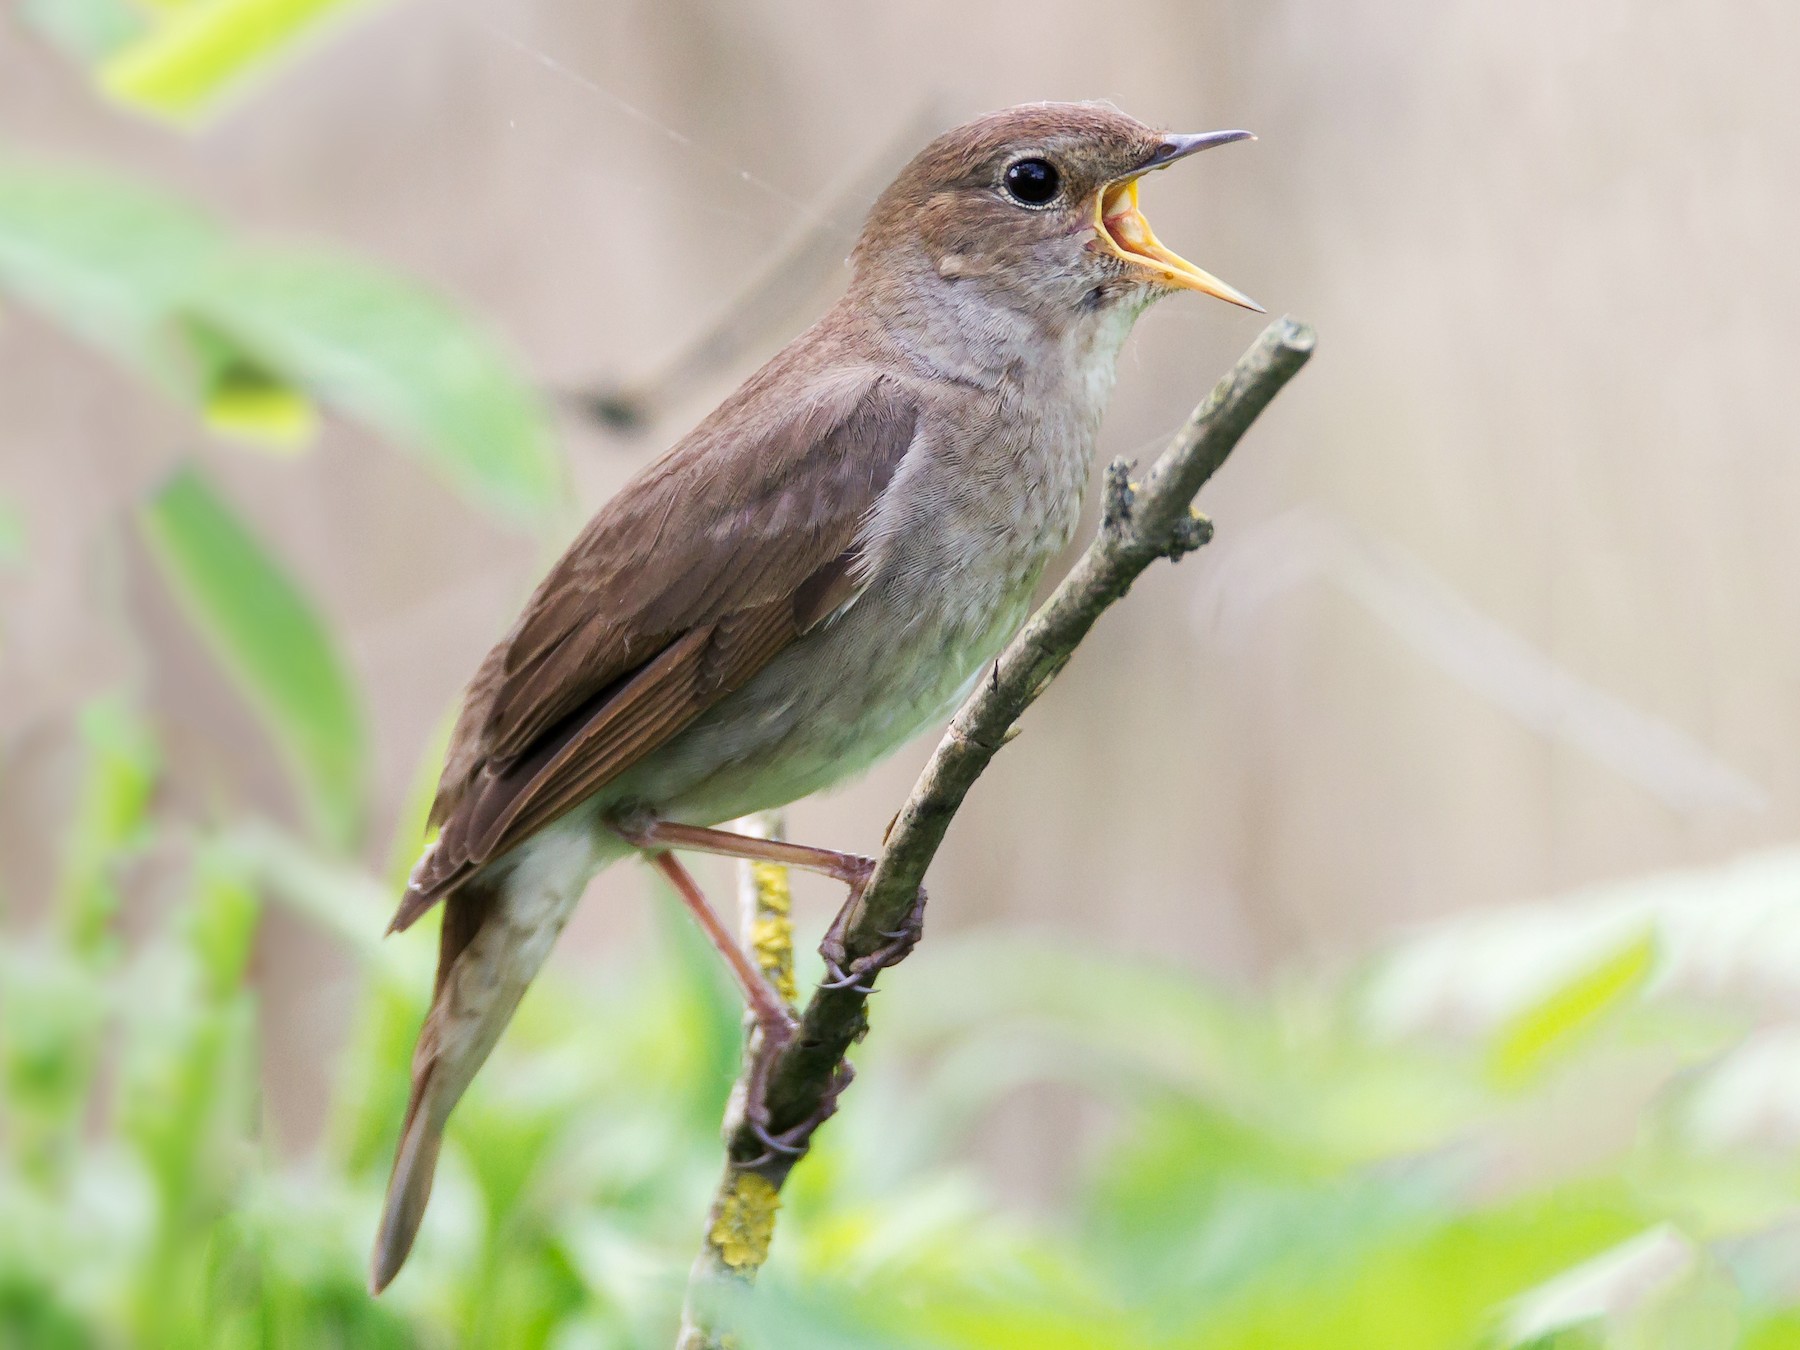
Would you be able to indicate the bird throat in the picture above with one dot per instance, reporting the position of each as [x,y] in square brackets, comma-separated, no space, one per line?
[952,330]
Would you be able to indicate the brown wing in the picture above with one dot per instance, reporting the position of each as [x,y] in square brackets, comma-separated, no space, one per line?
[682,587]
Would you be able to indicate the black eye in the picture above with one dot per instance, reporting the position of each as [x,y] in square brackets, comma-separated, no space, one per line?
[1032,181]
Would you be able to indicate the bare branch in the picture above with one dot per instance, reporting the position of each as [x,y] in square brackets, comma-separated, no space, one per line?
[802,1079]
[737,1228]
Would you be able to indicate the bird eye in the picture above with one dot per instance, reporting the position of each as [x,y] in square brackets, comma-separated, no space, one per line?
[1032,182]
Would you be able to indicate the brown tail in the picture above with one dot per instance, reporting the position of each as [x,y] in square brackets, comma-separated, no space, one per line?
[408,1188]
[479,983]
[496,935]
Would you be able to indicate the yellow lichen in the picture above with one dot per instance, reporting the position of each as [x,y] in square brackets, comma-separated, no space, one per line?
[772,891]
[745,1223]
[772,933]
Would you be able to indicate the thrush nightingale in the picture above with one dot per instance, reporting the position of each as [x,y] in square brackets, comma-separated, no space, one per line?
[812,576]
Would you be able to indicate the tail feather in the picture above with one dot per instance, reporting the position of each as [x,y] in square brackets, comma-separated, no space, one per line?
[498,929]
[477,988]
[409,1187]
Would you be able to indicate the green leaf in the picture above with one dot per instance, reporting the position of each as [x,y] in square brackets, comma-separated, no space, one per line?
[108,261]
[223,919]
[53,1006]
[1555,1023]
[110,820]
[269,640]
[1433,1287]
[182,67]
[249,336]
[399,358]
[1779,1332]
[54,996]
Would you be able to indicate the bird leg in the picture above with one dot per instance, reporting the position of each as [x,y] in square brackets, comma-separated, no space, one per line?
[765,1004]
[657,837]
[647,832]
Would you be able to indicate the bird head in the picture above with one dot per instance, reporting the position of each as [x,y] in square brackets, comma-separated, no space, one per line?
[1037,207]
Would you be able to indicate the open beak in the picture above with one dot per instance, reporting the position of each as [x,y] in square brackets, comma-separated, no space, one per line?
[1124,232]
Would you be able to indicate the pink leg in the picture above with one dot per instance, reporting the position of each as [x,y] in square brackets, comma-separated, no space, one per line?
[645,831]
[849,868]
[657,837]
[776,1025]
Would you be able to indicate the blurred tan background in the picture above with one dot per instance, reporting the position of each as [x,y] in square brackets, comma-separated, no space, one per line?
[1506,591]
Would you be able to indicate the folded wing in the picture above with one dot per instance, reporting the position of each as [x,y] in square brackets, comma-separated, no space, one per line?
[687,583]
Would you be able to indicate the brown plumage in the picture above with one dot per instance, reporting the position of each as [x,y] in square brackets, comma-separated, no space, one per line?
[682,587]
[809,577]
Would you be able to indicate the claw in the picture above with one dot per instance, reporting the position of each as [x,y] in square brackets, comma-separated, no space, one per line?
[860,973]
[842,979]
[776,1143]
[792,1142]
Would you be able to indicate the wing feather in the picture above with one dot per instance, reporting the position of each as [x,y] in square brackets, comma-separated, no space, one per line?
[685,585]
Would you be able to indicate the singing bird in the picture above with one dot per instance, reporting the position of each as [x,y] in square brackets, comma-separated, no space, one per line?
[812,576]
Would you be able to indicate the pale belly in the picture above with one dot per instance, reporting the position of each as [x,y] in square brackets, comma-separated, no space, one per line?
[899,660]
[959,548]
[957,545]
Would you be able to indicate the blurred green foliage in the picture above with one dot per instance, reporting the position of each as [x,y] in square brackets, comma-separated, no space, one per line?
[252,337]
[180,59]
[255,339]
[1338,1163]
[270,639]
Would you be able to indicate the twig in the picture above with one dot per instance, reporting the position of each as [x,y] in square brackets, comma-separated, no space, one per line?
[738,1228]
[1141,523]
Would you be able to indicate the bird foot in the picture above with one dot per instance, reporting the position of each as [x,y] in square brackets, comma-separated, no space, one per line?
[792,1142]
[845,972]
